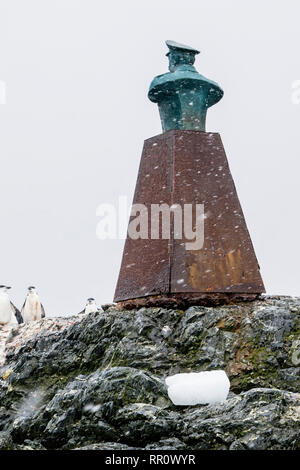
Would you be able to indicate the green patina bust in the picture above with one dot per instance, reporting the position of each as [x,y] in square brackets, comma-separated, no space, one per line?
[183,95]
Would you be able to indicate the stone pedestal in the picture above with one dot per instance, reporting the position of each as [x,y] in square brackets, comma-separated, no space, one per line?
[189,167]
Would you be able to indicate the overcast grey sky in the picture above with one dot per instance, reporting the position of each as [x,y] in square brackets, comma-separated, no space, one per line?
[72,130]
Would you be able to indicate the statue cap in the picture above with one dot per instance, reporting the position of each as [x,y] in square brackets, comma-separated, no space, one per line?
[176,46]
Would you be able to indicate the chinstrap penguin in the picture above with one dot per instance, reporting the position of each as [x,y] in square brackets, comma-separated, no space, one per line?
[32,309]
[7,309]
[91,306]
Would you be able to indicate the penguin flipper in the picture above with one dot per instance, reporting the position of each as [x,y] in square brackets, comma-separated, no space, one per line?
[43,314]
[82,312]
[22,309]
[17,313]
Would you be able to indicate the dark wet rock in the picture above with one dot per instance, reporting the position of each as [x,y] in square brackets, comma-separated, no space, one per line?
[167,444]
[98,382]
[107,446]
[107,306]
[29,445]
[255,420]
[6,441]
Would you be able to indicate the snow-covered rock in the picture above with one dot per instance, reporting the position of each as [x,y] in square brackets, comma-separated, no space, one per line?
[196,388]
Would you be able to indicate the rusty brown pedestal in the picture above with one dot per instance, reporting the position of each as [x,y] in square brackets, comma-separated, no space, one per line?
[189,167]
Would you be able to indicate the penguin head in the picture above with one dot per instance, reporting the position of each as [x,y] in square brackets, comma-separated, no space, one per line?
[4,288]
[31,290]
[90,300]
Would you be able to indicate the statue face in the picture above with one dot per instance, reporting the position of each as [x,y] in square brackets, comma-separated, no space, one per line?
[177,58]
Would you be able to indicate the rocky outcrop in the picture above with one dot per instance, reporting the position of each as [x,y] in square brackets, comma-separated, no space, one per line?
[97,381]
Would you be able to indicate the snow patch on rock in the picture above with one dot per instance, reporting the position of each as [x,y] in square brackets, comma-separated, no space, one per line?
[196,388]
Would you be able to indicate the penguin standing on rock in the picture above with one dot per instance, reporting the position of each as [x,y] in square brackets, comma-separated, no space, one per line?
[7,309]
[91,306]
[32,309]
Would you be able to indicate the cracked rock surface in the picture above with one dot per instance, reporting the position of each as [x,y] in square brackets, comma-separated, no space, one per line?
[97,381]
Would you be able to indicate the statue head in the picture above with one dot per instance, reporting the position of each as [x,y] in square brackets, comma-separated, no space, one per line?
[179,54]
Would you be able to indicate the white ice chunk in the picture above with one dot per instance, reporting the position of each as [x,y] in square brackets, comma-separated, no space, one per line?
[196,388]
[166,331]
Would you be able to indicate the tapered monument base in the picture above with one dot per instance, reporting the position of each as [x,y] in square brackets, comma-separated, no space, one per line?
[179,168]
